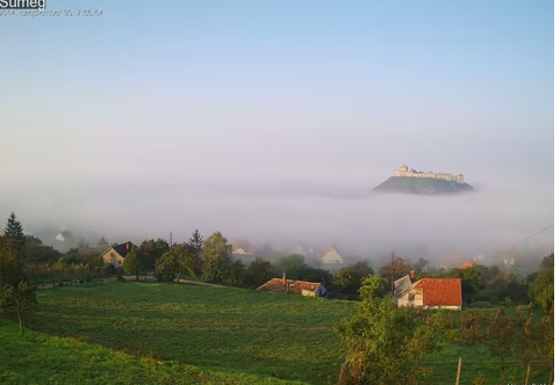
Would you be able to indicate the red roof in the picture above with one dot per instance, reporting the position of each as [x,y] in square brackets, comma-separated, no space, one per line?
[466,265]
[441,291]
[244,245]
[277,285]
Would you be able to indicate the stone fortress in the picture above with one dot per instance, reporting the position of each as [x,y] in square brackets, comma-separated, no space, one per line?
[404,171]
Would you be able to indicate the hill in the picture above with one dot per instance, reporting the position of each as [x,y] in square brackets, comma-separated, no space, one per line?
[421,186]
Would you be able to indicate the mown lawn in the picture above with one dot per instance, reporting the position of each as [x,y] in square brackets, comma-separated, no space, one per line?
[224,329]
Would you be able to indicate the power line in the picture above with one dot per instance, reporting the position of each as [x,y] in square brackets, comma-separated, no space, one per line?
[538,232]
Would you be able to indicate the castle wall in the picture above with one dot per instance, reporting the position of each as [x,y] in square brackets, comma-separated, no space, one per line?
[432,175]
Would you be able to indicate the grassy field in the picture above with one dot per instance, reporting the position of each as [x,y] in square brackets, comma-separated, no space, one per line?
[224,329]
[161,333]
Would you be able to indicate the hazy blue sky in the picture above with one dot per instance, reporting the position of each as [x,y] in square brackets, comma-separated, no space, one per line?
[249,92]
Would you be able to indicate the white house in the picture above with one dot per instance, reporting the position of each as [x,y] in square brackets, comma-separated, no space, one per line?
[331,256]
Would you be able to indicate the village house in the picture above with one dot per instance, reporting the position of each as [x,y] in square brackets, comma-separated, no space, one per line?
[115,255]
[429,293]
[331,256]
[283,285]
[242,247]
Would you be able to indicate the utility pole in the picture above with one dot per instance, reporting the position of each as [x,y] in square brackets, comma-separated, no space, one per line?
[170,239]
[392,273]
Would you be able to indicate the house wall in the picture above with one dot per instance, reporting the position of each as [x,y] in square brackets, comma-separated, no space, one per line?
[308,293]
[405,301]
[114,258]
[332,257]
[443,307]
[319,292]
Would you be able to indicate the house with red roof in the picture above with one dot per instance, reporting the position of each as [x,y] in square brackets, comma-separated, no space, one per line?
[283,285]
[242,247]
[432,293]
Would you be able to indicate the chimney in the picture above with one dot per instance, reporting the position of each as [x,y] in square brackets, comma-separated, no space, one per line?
[412,276]
[127,246]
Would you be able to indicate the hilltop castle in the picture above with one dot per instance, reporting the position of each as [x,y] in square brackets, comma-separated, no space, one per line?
[404,171]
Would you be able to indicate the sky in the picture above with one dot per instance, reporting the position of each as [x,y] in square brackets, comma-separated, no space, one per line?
[227,115]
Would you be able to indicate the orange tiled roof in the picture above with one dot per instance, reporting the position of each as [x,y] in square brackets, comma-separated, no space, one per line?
[276,284]
[441,291]
[466,265]
[242,244]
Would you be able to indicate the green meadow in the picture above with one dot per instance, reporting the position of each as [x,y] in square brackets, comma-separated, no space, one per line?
[162,333]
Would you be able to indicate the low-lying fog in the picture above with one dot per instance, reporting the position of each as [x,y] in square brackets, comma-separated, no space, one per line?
[500,215]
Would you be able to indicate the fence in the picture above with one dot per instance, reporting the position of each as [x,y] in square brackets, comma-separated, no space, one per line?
[52,277]
[489,372]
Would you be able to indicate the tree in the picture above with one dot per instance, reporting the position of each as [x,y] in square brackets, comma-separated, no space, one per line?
[385,343]
[311,274]
[348,279]
[14,232]
[17,299]
[180,259]
[134,262]
[235,274]
[395,269]
[420,264]
[548,262]
[471,281]
[215,247]
[36,252]
[259,272]
[542,290]
[103,244]
[196,241]
[292,262]
[153,250]
[11,263]
[372,287]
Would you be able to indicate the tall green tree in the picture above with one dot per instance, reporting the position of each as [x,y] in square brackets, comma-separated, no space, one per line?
[153,250]
[471,281]
[349,279]
[180,259]
[196,241]
[259,272]
[134,262]
[215,247]
[11,263]
[36,252]
[14,232]
[542,290]
[373,287]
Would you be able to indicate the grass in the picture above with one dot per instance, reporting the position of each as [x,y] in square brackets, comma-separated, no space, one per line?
[37,358]
[224,329]
[164,333]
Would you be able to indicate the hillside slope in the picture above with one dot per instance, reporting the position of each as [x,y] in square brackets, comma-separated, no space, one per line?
[421,186]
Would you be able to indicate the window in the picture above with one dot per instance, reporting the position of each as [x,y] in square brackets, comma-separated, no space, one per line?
[411,296]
